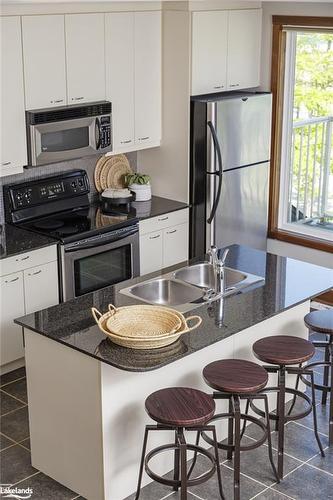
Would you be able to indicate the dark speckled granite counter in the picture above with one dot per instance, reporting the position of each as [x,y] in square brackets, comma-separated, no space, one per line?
[288,282]
[156,206]
[14,241]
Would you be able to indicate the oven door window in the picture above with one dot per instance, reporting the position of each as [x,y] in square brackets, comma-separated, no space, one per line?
[102,269]
[65,140]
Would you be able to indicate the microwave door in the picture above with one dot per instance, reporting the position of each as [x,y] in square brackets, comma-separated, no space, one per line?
[61,141]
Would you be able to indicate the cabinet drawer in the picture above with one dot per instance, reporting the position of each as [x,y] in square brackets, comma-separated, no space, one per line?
[151,252]
[175,244]
[41,287]
[163,221]
[28,259]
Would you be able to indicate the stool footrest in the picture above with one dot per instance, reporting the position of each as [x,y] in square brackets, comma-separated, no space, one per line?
[287,418]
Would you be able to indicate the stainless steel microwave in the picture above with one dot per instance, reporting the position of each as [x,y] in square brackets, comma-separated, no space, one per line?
[68,132]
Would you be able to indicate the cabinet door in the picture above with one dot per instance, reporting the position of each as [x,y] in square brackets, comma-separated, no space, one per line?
[244,46]
[44,61]
[41,287]
[119,57]
[151,252]
[13,134]
[11,307]
[209,52]
[85,57]
[175,244]
[147,40]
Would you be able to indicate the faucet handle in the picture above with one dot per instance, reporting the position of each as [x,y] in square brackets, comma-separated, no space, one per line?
[224,256]
[212,252]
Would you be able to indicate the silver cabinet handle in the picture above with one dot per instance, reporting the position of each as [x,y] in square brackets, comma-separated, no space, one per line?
[162,219]
[171,232]
[219,87]
[23,258]
[34,274]
[6,163]
[77,98]
[56,101]
[126,142]
[12,281]
[144,138]
[234,85]
[154,237]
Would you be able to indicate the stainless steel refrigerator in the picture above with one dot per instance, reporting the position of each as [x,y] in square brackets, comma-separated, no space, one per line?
[229,170]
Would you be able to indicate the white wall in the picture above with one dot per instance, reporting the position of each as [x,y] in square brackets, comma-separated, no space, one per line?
[306,254]
[284,9]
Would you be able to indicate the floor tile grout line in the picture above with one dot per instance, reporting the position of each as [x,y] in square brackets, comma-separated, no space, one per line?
[248,477]
[7,447]
[195,495]
[28,477]
[15,442]
[12,411]
[14,397]
[281,493]
[311,429]
[12,382]
[321,470]
[260,493]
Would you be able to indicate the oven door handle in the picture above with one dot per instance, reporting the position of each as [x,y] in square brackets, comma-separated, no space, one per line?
[100,242]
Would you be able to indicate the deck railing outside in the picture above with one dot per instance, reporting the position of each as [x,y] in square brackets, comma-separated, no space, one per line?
[311,176]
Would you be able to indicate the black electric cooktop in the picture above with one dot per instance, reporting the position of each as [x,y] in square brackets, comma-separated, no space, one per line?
[79,223]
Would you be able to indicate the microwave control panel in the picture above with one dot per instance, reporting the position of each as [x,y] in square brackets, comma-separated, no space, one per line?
[41,192]
[105,132]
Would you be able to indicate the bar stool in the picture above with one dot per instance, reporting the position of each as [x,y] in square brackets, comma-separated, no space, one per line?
[179,409]
[235,380]
[284,351]
[322,322]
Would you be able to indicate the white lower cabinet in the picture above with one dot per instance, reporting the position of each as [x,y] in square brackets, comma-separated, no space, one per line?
[11,306]
[163,241]
[41,287]
[22,291]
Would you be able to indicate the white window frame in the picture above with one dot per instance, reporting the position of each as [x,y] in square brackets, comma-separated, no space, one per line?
[286,149]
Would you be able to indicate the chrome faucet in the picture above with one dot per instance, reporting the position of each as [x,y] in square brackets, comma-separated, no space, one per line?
[219,267]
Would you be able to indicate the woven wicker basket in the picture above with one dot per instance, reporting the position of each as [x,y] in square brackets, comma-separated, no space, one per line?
[152,340]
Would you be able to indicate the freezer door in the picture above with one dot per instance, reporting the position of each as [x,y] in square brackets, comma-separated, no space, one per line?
[242,212]
[243,126]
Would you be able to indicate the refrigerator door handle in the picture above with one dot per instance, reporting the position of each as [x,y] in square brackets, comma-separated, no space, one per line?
[218,172]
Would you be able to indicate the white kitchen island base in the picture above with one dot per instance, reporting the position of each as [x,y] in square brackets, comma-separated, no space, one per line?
[87,418]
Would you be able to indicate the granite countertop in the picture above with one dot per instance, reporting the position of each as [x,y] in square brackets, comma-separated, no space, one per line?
[287,282]
[14,241]
[156,206]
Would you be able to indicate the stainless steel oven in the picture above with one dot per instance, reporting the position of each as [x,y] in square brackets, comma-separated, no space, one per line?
[99,261]
[65,133]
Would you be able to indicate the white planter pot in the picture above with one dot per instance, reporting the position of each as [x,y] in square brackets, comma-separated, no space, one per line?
[142,191]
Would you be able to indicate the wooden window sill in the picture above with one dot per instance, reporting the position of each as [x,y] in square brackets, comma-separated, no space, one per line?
[302,240]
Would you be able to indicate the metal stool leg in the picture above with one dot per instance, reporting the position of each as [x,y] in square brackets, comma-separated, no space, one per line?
[326,375]
[246,412]
[176,463]
[194,457]
[296,388]
[237,448]
[230,430]
[281,418]
[269,439]
[142,463]
[330,425]
[218,468]
[183,465]
[314,411]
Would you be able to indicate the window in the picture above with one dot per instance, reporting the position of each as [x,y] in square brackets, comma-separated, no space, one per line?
[301,209]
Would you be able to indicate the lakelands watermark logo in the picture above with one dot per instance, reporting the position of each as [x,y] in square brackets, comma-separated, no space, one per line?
[9,491]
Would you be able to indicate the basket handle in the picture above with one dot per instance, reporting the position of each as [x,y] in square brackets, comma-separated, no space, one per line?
[97,314]
[197,319]
[112,309]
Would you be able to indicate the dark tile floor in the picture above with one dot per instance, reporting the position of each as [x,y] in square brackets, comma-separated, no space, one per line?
[308,475]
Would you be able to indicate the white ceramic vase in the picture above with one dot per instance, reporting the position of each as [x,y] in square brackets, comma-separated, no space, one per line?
[142,191]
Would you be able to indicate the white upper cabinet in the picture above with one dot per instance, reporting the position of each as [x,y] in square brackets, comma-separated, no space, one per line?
[119,57]
[209,52]
[13,135]
[85,59]
[44,61]
[244,46]
[147,70]
[226,49]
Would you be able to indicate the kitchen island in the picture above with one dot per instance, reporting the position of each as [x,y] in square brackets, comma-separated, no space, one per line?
[86,395]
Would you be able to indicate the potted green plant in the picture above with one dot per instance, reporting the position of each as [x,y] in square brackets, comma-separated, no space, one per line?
[140,185]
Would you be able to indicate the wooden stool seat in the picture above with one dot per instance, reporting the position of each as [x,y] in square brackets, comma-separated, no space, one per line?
[283,350]
[320,321]
[180,407]
[235,376]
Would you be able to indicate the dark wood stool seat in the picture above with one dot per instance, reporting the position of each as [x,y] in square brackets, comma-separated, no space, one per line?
[235,376]
[320,321]
[180,407]
[283,350]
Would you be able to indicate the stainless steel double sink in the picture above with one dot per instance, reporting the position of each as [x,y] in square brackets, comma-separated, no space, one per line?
[189,287]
